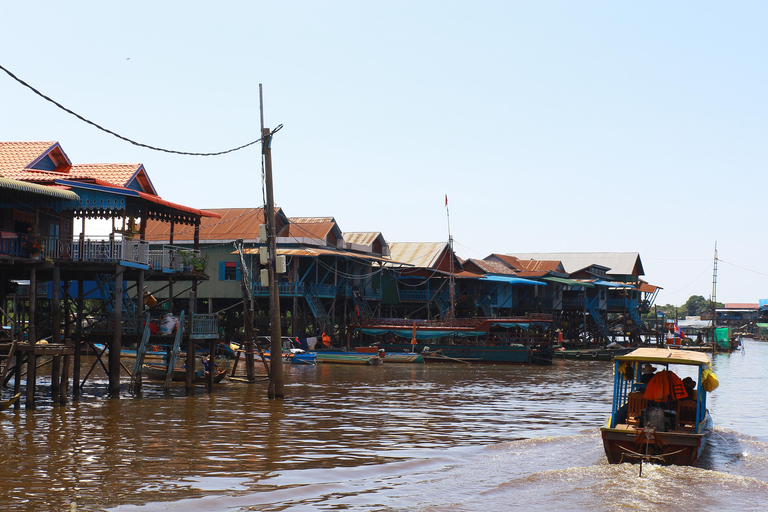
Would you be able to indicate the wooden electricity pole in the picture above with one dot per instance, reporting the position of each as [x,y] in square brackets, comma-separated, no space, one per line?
[275,389]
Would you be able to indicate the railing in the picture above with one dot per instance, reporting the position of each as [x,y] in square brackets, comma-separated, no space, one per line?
[177,258]
[323,290]
[92,248]
[573,303]
[622,303]
[204,326]
[420,295]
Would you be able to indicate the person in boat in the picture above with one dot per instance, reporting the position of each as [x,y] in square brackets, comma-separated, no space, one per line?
[690,388]
[207,365]
[646,373]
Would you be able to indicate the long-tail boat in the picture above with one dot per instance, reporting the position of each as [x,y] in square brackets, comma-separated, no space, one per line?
[659,420]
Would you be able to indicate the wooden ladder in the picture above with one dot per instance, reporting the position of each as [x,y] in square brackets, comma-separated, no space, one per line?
[170,364]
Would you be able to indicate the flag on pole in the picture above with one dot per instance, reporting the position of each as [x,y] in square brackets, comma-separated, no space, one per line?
[446,200]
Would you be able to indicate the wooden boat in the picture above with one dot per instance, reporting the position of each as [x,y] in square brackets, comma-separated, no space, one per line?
[5,404]
[391,357]
[593,354]
[658,422]
[475,340]
[335,357]
[158,372]
[153,355]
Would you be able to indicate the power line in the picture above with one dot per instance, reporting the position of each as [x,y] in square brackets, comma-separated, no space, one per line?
[186,153]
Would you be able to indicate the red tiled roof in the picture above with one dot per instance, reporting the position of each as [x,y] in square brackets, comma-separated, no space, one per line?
[114,174]
[17,156]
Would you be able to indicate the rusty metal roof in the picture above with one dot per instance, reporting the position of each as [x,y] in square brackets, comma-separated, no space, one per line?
[362,238]
[234,224]
[323,251]
[419,254]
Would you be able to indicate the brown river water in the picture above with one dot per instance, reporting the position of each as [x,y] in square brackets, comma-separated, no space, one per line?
[396,437]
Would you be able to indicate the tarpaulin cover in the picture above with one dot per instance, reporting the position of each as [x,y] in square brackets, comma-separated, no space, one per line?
[512,280]
[421,335]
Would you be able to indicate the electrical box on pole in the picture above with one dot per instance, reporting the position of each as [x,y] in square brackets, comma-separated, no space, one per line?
[280,266]
[262,233]
[264,277]
[263,255]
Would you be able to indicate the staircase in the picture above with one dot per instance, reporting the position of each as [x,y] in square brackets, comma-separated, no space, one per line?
[597,318]
[163,341]
[635,314]
[7,351]
[316,306]
[362,304]
[107,286]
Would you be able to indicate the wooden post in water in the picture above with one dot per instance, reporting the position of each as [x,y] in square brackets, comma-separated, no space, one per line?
[114,349]
[32,340]
[78,340]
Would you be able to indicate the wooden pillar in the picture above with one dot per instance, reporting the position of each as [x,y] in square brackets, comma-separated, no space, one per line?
[55,378]
[190,363]
[211,365]
[114,349]
[56,304]
[78,339]
[32,339]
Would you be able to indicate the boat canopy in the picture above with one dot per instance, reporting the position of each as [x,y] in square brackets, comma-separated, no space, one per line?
[666,356]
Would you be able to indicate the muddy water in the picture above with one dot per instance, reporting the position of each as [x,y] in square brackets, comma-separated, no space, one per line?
[432,437]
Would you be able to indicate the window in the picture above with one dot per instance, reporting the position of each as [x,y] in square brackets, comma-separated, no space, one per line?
[229,271]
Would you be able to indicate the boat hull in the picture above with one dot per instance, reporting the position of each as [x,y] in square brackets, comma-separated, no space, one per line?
[592,354]
[511,354]
[348,358]
[179,375]
[665,448]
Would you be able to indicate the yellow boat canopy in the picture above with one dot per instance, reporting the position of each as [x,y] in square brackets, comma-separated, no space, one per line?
[666,356]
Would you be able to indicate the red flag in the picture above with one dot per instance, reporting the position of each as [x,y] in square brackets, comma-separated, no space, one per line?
[446,200]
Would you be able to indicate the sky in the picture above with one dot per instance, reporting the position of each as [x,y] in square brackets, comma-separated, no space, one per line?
[551,126]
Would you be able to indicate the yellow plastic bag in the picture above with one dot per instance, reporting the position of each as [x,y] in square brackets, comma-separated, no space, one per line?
[709,380]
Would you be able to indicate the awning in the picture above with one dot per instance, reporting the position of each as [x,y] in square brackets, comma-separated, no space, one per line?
[421,335]
[613,284]
[39,190]
[511,280]
[569,282]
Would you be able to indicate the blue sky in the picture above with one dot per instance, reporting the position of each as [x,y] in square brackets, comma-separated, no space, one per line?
[551,126]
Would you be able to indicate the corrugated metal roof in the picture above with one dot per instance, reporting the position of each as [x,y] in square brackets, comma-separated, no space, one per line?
[318,251]
[491,267]
[233,224]
[38,190]
[418,254]
[621,263]
[362,238]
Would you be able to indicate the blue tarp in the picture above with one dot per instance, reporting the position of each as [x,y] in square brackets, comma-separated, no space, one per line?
[512,280]
[421,335]
[613,284]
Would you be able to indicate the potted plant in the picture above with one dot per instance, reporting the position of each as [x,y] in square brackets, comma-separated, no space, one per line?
[200,263]
[32,243]
[186,260]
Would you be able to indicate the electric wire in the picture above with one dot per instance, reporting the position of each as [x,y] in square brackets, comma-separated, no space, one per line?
[126,139]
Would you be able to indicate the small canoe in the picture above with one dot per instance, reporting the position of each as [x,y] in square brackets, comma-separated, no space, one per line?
[348,358]
[157,372]
[391,357]
[5,404]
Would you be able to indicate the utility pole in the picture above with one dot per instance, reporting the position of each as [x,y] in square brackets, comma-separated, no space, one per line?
[275,389]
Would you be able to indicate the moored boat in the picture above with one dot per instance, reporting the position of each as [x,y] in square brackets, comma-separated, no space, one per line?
[158,372]
[596,354]
[659,419]
[392,357]
[335,357]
